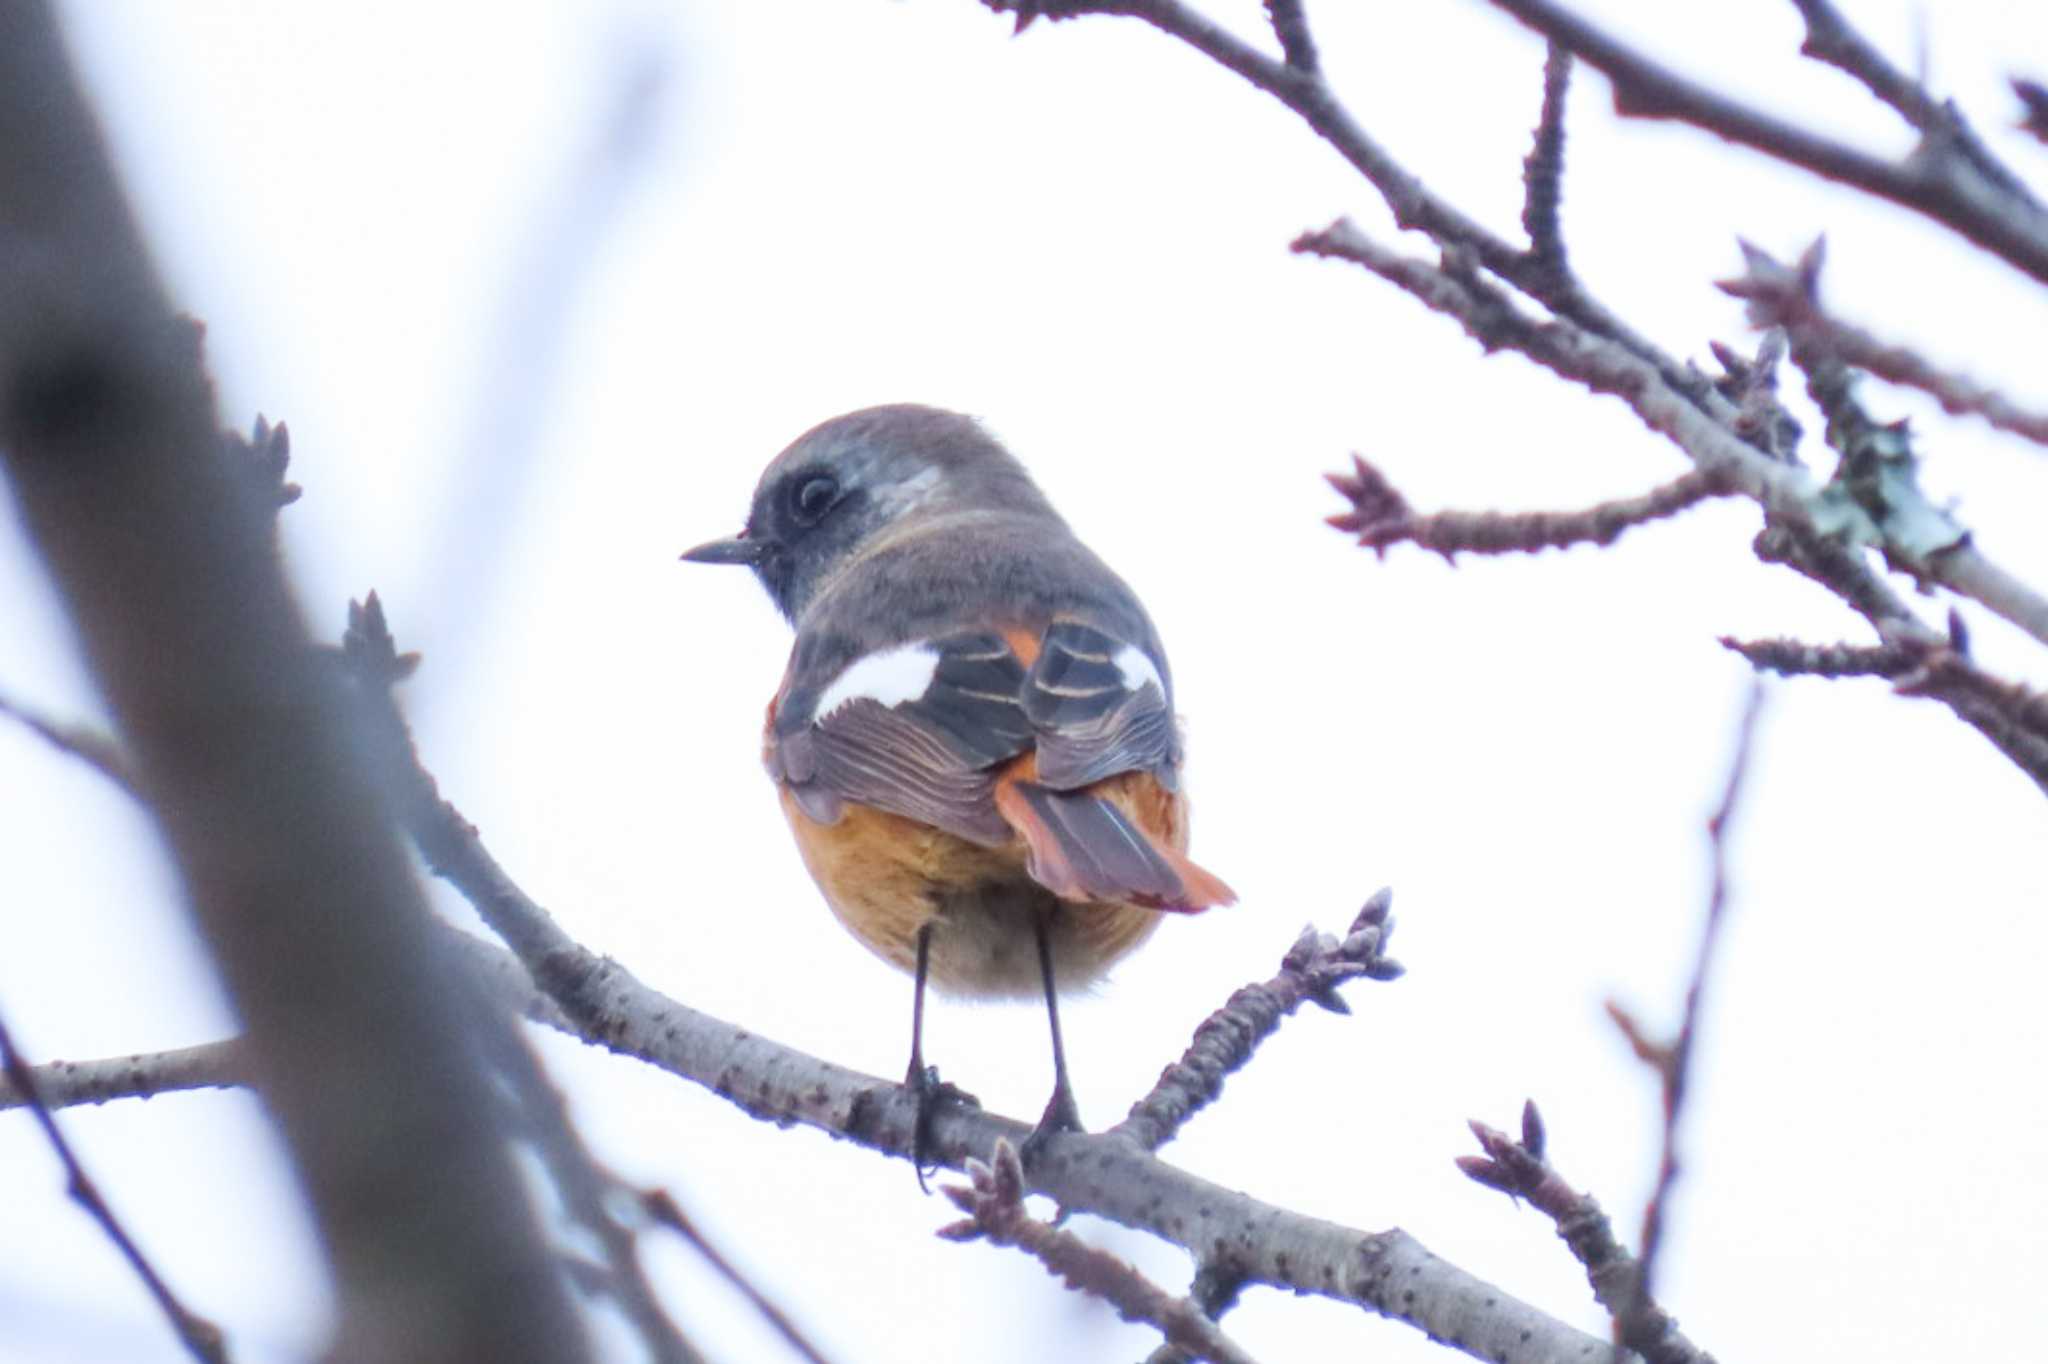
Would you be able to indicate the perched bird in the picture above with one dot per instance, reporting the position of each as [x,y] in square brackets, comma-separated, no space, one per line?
[975,739]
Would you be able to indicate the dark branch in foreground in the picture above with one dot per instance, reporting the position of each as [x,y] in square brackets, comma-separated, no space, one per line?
[1521,1170]
[162,555]
[202,1338]
[994,1203]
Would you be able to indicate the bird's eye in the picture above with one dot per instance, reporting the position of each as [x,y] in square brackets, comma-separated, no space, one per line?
[812,498]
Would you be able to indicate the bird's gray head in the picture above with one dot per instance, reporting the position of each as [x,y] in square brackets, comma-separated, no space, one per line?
[847,482]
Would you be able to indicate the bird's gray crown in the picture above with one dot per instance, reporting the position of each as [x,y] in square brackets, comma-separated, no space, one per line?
[849,483]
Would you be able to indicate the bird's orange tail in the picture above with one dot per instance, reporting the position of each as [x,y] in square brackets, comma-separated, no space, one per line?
[1082,847]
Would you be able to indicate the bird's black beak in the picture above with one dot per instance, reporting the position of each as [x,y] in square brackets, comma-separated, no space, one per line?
[738,550]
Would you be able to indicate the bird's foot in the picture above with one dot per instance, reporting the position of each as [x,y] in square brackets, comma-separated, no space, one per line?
[1061,1115]
[932,1094]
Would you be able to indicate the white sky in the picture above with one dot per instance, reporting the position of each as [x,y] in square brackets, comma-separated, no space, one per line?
[518,388]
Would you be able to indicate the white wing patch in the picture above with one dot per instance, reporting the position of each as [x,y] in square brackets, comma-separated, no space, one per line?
[890,677]
[1137,669]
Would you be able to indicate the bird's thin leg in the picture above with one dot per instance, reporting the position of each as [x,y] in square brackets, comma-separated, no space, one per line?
[917,1075]
[1061,1113]
[923,1080]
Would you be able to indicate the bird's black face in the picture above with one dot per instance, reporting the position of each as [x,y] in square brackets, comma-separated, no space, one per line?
[845,481]
[813,510]
[804,520]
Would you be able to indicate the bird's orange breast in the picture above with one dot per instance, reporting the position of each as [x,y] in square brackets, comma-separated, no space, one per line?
[886,876]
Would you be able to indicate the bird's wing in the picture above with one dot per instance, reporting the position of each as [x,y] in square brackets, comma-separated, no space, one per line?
[918,729]
[1063,739]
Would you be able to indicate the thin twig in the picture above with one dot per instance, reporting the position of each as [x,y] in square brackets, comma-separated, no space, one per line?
[1310,973]
[1938,184]
[662,1207]
[95,748]
[1381,518]
[1297,44]
[1778,296]
[1915,535]
[1415,206]
[1521,1169]
[1543,168]
[994,1203]
[2033,98]
[2013,717]
[1832,39]
[202,1339]
[588,1193]
[1673,1063]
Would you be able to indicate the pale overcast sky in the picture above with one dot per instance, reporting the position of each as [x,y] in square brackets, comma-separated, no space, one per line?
[525,366]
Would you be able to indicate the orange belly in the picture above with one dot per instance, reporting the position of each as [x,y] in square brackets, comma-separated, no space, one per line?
[886,876]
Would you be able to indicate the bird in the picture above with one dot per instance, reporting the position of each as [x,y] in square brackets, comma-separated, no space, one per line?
[974,742]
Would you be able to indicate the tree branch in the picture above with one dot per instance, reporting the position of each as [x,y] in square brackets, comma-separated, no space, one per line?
[1310,973]
[994,1203]
[1914,534]
[1110,1175]
[95,749]
[163,558]
[1381,517]
[64,1084]
[663,1209]
[1937,182]
[1673,1063]
[1543,169]
[1777,297]
[201,1338]
[1521,1170]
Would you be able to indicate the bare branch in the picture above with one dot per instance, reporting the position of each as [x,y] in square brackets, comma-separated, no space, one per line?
[1414,205]
[1916,536]
[664,1210]
[1673,1064]
[1543,169]
[1832,39]
[1568,350]
[1781,297]
[1297,44]
[164,560]
[201,1338]
[1938,183]
[994,1204]
[2014,718]
[1310,973]
[1521,1170]
[2033,97]
[1792,658]
[1238,1239]
[63,1084]
[94,748]
[1380,517]
[590,1196]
